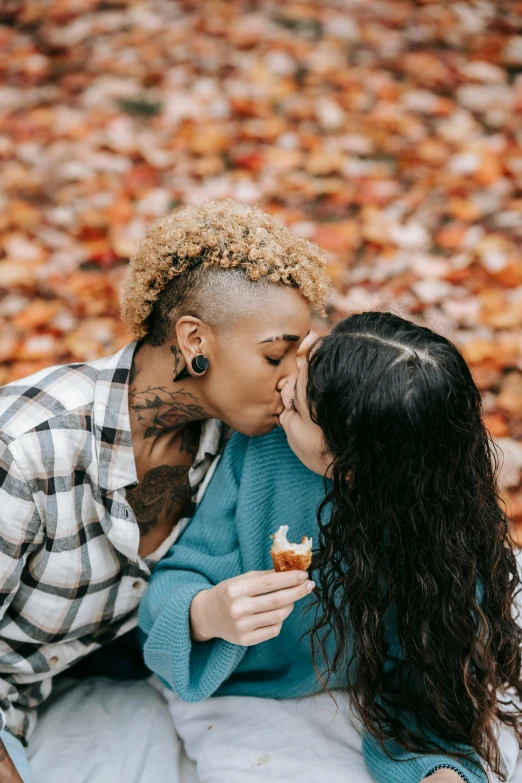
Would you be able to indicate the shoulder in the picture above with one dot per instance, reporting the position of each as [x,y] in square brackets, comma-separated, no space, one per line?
[32,401]
[49,397]
[276,488]
[259,449]
[269,460]
[273,454]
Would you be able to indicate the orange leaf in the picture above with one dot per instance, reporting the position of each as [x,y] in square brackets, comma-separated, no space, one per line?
[496,425]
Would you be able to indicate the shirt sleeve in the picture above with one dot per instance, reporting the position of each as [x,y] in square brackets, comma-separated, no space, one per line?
[206,553]
[406,767]
[20,534]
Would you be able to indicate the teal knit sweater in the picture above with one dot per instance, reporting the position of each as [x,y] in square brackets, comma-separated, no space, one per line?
[258,485]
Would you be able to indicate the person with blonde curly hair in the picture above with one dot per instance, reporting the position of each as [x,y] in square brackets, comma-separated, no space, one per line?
[103,463]
[221,294]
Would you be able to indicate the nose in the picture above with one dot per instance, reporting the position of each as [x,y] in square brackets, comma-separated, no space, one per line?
[282,383]
[291,368]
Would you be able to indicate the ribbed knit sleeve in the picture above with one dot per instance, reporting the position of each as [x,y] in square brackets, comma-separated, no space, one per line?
[407,767]
[206,553]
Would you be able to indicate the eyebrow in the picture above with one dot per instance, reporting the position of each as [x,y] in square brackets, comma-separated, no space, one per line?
[291,338]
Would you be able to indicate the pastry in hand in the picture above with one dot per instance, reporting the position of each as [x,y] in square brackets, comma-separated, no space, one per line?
[290,557]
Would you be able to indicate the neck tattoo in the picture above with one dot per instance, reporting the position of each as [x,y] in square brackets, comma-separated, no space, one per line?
[164,490]
[159,410]
[180,372]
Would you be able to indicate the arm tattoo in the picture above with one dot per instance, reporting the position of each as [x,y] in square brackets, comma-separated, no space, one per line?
[159,410]
[3,752]
[163,490]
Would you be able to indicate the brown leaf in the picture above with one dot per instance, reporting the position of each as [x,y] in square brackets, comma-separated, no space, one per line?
[496,425]
[510,397]
[38,313]
[338,237]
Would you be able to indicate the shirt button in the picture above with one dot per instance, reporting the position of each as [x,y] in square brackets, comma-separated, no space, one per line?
[54,660]
[137,584]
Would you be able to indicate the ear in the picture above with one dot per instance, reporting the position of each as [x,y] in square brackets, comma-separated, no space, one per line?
[194,337]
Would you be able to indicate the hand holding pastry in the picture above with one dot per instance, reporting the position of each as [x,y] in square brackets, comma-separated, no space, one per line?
[247,609]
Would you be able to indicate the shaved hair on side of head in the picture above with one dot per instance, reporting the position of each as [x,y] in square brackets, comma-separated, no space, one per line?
[211,260]
[217,296]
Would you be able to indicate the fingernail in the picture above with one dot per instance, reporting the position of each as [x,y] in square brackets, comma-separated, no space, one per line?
[310,586]
[302,576]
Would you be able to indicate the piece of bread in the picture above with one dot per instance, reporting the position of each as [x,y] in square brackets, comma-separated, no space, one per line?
[290,557]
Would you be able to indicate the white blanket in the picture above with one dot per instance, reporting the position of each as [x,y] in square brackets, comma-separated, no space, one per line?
[104,731]
[107,731]
[243,740]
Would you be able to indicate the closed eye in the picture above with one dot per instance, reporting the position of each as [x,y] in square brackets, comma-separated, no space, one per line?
[291,405]
[274,362]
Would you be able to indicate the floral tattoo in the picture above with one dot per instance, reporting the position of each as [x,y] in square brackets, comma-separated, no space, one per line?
[164,489]
[160,410]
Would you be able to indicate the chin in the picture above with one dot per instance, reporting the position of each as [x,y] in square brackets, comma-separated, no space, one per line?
[254,431]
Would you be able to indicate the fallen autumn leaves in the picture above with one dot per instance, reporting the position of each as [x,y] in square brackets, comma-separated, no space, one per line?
[390,133]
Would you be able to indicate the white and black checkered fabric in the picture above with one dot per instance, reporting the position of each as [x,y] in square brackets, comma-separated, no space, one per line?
[70,575]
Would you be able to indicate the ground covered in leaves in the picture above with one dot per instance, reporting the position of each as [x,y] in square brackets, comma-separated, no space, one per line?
[389,132]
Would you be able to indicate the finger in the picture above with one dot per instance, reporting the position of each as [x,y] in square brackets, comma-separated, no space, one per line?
[252,574]
[279,599]
[255,621]
[261,635]
[309,340]
[245,584]
[273,580]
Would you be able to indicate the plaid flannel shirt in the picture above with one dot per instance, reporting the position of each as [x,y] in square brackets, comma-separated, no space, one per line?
[71,578]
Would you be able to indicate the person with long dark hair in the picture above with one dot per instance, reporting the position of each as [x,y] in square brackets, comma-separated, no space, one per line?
[413,616]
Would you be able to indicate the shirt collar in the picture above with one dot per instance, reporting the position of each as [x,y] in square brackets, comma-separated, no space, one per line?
[111,425]
[210,440]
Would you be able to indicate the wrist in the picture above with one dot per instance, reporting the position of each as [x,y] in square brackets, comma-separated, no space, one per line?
[199,626]
[450,777]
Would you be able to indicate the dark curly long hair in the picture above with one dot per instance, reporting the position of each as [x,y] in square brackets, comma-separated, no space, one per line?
[417,540]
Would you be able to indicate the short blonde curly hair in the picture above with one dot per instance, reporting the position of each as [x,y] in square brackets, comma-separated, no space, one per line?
[223,235]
